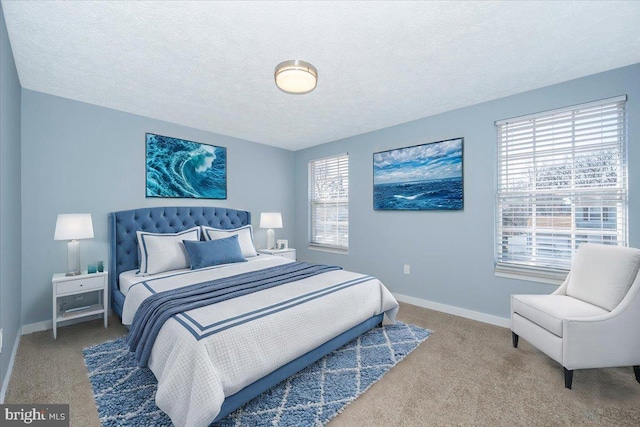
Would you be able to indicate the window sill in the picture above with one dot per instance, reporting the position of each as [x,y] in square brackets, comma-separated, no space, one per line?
[548,277]
[328,249]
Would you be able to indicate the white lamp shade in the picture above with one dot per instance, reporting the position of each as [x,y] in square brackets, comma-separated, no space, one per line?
[73,227]
[270,220]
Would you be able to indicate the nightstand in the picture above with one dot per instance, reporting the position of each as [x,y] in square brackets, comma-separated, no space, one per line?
[64,286]
[285,253]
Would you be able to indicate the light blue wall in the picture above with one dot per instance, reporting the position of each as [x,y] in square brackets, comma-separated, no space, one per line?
[78,157]
[451,253]
[82,158]
[10,213]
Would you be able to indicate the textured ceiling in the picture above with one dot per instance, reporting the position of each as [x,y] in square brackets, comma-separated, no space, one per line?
[209,65]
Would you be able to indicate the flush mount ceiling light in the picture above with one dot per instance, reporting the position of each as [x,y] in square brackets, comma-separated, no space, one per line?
[296,77]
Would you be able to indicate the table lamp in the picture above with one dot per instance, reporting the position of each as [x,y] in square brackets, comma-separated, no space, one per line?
[271,220]
[73,227]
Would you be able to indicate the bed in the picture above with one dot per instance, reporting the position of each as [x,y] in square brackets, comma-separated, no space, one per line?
[207,362]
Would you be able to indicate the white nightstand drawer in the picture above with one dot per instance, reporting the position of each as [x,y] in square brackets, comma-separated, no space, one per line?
[80,285]
[289,253]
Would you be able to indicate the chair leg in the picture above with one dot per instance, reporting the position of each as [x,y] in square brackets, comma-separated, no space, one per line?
[514,339]
[568,378]
[636,370]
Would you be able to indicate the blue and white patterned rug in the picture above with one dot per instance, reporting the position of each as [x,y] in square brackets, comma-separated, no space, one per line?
[125,393]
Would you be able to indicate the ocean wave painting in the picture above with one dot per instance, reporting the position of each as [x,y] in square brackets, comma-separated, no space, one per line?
[184,169]
[422,177]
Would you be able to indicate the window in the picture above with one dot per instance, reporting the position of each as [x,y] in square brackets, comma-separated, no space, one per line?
[562,181]
[329,203]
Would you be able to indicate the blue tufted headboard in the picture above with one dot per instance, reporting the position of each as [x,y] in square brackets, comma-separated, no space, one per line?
[123,242]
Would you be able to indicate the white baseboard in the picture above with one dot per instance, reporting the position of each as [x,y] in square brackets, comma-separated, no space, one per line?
[48,324]
[457,311]
[7,377]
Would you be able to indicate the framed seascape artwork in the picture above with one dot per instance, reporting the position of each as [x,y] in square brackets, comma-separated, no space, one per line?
[177,168]
[422,177]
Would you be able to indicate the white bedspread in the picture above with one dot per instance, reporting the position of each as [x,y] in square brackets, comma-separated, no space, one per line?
[131,277]
[203,355]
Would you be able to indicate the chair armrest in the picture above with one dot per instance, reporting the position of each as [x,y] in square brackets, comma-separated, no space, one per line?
[562,290]
[609,340]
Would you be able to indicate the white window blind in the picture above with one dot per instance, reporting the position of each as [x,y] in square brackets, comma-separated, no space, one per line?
[329,202]
[562,181]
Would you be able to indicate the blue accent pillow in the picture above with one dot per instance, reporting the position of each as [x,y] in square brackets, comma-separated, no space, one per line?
[214,252]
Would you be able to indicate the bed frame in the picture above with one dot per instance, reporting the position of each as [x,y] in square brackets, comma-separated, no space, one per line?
[123,256]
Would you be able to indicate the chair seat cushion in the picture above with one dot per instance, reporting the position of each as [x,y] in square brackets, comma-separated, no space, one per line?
[547,311]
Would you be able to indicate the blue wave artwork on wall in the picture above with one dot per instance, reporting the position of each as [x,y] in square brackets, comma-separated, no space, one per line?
[184,169]
[422,177]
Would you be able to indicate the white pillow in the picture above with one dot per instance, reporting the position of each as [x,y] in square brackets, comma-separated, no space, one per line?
[164,251]
[245,237]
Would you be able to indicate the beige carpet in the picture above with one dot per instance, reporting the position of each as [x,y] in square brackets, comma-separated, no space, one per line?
[465,374]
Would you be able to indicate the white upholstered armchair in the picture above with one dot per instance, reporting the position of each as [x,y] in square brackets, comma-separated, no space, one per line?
[593,319]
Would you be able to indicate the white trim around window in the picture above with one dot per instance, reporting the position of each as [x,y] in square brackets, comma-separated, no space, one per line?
[329,203]
[561,181]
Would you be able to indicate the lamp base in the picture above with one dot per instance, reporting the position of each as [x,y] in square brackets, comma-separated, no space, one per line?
[73,258]
[271,239]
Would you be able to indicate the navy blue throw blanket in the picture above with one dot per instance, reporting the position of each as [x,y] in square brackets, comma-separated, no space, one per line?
[160,307]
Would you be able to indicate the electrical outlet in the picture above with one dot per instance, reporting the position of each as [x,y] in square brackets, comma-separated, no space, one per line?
[407,269]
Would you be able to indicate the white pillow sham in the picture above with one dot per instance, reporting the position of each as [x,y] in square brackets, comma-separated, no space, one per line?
[245,237]
[164,251]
